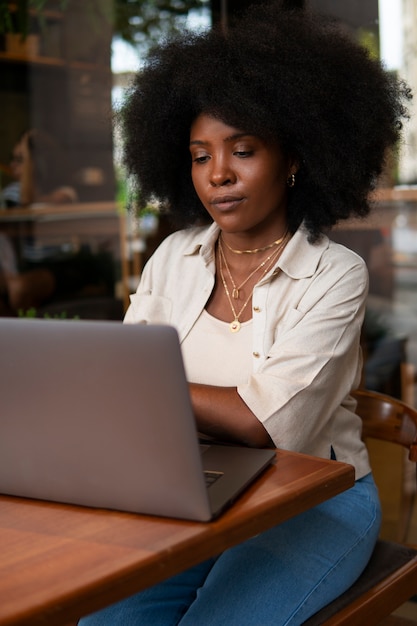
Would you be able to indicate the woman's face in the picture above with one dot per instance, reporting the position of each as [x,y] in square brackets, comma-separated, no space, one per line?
[240,179]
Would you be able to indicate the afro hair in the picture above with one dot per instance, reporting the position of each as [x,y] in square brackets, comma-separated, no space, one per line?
[284,74]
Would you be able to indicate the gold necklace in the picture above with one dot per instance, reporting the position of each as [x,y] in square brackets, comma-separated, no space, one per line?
[255,250]
[236,289]
[235,324]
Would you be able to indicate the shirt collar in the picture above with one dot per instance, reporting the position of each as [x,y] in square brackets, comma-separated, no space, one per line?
[204,243]
[299,259]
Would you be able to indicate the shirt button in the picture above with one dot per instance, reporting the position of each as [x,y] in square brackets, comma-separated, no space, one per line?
[256,355]
[257,309]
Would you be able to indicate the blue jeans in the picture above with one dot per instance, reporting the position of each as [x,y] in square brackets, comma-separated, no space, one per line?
[282,576]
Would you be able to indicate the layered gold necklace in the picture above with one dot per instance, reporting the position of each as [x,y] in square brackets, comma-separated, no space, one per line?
[255,250]
[265,266]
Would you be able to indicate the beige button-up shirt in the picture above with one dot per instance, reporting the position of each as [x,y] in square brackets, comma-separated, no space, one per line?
[307,318]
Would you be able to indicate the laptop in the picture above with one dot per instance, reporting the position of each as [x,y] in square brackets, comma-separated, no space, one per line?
[98,414]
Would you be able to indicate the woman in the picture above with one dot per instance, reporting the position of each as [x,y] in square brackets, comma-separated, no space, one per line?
[284,123]
[37,167]
[39,171]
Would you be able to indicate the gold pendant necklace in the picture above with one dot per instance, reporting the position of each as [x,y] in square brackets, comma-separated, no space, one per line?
[234,324]
[236,289]
[267,264]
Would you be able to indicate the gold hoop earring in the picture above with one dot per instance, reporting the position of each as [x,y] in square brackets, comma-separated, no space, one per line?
[291,180]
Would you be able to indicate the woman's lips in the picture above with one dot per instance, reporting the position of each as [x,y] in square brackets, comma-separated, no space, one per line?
[226,203]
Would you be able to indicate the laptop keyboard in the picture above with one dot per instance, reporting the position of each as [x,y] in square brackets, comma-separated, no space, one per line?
[212,477]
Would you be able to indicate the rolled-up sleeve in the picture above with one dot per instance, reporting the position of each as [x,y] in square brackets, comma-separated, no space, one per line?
[311,358]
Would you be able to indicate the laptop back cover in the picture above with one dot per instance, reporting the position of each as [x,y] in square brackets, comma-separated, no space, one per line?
[98,414]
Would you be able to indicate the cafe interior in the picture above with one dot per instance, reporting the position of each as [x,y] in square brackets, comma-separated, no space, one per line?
[65,66]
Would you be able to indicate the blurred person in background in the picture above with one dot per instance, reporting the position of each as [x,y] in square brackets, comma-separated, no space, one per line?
[38,167]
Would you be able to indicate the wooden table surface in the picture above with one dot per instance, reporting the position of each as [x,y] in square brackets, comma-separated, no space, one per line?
[59,562]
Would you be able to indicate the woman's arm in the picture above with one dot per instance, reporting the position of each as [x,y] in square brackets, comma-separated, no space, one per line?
[221,413]
[60,195]
[27,183]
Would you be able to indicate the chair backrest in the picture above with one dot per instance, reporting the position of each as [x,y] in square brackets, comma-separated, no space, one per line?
[389,419]
[390,577]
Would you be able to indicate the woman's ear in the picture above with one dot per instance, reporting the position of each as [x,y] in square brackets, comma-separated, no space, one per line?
[293,166]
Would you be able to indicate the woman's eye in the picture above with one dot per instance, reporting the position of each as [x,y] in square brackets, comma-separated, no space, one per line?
[243,154]
[200,158]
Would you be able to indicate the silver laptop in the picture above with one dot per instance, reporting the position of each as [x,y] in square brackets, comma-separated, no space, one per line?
[99,414]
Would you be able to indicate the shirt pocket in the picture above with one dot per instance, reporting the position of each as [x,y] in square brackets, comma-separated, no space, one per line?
[150,309]
[289,321]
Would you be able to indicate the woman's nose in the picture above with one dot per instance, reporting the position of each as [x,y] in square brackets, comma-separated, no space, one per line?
[221,174]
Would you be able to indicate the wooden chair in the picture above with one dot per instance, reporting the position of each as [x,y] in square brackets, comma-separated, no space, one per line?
[390,579]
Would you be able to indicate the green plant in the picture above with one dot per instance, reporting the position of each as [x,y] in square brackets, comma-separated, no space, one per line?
[15,16]
[27,312]
[32,313]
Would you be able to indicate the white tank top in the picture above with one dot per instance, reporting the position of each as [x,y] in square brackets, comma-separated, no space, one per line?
[215,356]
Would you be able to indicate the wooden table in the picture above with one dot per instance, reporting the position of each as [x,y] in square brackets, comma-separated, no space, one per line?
[59,562]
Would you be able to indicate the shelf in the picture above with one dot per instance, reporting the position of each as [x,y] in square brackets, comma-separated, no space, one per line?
[38,60]
[50,212]
[7,57]
[392,194]
[49,14]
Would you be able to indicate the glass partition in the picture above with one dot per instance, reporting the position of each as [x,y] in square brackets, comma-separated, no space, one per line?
[59,222]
